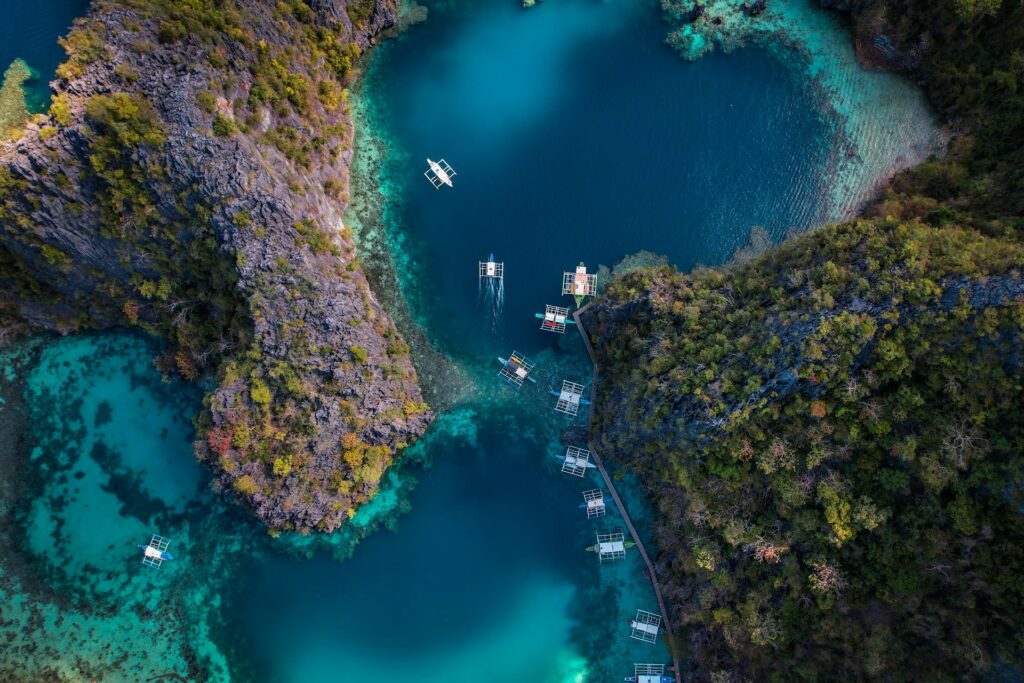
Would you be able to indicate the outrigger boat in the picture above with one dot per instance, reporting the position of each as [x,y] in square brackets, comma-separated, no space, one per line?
[505,362]
[492,269]
[439,173]
[597,546]
[568,321]
[582,401]
[515,369]
[575,461]
[554,319]
[649,673]
[155,552]
[654,678]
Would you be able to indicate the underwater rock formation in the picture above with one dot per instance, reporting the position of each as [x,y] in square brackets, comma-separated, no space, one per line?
[190,178]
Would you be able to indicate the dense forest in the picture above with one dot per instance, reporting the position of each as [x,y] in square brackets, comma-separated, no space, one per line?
[832,433]
[970,54]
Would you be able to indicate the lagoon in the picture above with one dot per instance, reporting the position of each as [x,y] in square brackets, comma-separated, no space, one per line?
[577,134]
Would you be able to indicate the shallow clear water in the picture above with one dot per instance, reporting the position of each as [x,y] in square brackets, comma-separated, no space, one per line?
[577,135]
[28,30]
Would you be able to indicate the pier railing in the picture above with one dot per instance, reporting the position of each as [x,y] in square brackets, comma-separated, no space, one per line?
[618,500]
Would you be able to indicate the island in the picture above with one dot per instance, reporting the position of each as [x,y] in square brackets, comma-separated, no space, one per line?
[829,432]
[189,178]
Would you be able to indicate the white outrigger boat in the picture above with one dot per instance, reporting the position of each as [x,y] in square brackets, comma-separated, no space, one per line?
[575,461]
[515,369]
[649,673]
[439,173]
[155,552]
[491,269]
[581,401]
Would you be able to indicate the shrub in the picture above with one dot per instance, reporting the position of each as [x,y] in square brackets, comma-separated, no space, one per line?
[206,100]
[55,257]
[171,31]
[222,126]
[282,466]
[85,44]
[245,484]
[259,391]
[60,110]
[358,353]
[126,73]
[360,11]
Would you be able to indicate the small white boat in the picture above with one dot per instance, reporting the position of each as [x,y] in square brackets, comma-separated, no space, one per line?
[439,173]
[574,461]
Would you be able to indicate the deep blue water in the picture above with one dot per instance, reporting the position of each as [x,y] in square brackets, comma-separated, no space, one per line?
[28,29]
[577,135]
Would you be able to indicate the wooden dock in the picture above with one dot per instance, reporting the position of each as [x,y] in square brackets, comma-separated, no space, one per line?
[618,500]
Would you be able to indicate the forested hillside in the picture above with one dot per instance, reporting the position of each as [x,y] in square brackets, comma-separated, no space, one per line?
[832,437]
[832,433]
[970,54]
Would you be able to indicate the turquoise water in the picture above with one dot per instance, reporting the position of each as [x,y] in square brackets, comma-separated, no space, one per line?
[577,134]
[28,30]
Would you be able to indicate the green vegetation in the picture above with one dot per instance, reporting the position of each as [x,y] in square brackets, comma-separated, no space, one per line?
[85,45]
[13,110]
[246,485]
[260,392]
[358,354]
[360,11]
[974,72]
[831,432]
[122,123]
[223,127]
[60,110]
[833,439]
[317,240]
[207,101]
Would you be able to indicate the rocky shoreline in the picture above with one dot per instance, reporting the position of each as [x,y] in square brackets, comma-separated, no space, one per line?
[190,179]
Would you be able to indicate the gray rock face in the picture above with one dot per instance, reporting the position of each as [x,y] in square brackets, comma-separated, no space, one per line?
[245,228]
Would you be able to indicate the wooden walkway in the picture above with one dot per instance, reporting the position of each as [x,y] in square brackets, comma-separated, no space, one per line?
[618,501]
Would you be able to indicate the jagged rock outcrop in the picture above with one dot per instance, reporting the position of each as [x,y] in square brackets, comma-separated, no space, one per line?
[191,178]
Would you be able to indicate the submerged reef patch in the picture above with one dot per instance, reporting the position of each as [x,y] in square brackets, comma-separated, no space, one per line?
[885,121]
[79,494]
[13,107]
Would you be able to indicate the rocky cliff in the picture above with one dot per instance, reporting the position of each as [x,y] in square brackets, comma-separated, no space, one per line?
[190,178]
